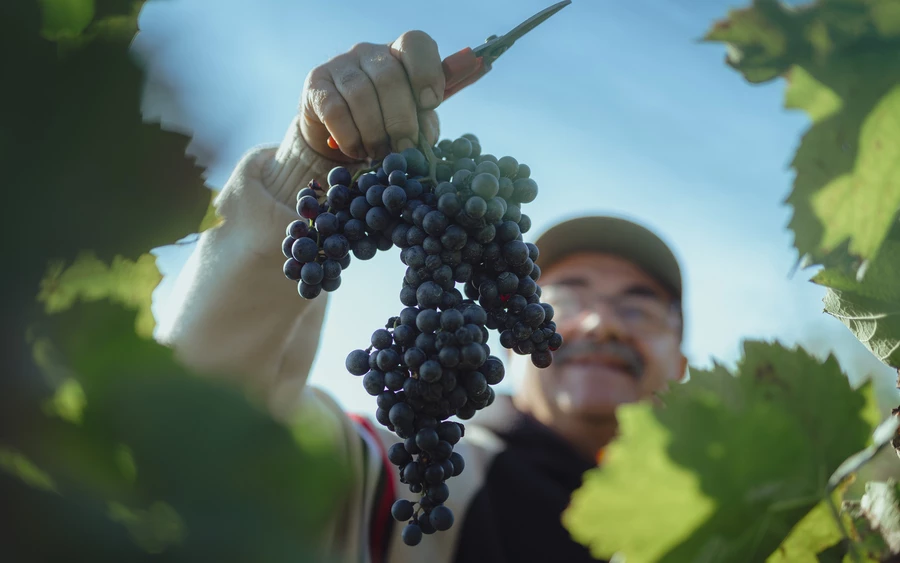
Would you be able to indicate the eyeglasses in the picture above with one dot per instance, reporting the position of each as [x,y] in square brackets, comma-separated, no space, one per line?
[639,313]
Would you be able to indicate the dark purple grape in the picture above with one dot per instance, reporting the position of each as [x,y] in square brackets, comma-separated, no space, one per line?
[339,176]
[392,162]
[308,207]
[292,269]
[304,250]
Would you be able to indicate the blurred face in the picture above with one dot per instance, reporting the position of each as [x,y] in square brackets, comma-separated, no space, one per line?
[621,340]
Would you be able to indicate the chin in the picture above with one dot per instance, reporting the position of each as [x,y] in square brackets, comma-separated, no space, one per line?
[601,414]
[589,409]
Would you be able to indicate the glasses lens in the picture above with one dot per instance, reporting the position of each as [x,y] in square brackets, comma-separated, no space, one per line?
[639,313]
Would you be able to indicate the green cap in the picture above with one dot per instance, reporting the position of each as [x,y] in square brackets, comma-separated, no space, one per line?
[612,235]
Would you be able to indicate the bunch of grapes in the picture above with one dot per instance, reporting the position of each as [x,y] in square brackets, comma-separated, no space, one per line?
[456,216]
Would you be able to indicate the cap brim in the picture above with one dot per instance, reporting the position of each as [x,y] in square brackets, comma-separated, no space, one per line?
[612,235]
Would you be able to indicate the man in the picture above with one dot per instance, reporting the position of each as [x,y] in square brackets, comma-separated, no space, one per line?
[614,285]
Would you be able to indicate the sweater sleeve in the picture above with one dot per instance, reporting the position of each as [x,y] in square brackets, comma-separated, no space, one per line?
[232,312]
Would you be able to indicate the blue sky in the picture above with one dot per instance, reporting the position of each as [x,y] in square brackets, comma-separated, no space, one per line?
[616,106]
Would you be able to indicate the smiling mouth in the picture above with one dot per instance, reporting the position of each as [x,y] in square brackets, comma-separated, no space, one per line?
[606,362]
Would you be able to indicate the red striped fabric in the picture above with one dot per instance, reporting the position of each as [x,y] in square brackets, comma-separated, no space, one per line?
[382,506]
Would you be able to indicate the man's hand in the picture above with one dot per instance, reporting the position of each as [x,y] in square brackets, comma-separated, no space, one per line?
[373,99]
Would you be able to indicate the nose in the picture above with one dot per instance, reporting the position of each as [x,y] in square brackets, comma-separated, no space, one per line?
[598,324]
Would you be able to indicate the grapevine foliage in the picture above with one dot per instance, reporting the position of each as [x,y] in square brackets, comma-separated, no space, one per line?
[109,449]
[878,513]
[813,539]
[869,307]
[840,62]
[728,467]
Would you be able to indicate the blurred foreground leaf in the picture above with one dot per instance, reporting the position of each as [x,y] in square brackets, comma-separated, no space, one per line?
[109,449]
[65,18]
[89,279]
[728,467]
[208,475]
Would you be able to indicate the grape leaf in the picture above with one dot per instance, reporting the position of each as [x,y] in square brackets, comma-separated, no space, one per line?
[240,482]
[834,553]
[728,467]
[142,456]
[116,8]
[869,307]
[155,529]
[83,169]
[66,18]
[841,65]
[20,466]
[815,533]
[758,39]
[876,519]
[818,537]
[881,507]
[875,323]
[848,165]
[89,279]
[879,280]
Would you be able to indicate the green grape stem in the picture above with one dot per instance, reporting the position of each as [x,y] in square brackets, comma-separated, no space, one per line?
[360,172]
[425,146]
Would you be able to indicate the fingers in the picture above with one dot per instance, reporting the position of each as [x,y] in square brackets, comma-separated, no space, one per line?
[355,86]
[372,99]
[430,126]
[398,108]
[418,53]
[325,113]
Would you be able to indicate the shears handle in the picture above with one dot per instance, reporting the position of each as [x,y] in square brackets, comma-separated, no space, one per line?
[462,68]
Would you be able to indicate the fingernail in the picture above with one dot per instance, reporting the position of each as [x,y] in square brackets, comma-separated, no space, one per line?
[427,98]
[404,144]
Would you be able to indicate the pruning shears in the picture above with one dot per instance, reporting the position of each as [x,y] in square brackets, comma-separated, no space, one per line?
[465,67]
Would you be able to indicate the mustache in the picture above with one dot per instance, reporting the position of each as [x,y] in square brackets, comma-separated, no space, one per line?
[615,349]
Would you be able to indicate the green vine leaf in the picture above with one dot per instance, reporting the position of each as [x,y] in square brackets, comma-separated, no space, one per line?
[879,279]
[758,39]
[130,283]
[155,529]
[17,465]
[83,155]
[869,307]
[66,19]
[875,323]
[839,59]
[85,173]
[728,467]
[813,535]
[877,520]
[150,432]
[847,188]
[833,554]
[881,507]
